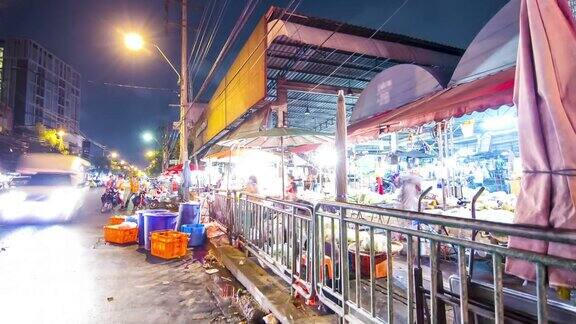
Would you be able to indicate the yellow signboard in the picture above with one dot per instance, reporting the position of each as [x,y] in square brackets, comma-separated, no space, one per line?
[243,86]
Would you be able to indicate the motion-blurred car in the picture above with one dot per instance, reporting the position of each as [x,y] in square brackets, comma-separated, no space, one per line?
[50,189]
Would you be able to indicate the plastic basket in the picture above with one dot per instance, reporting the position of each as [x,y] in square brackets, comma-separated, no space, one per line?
[114,234]
[168,244]
[116,220]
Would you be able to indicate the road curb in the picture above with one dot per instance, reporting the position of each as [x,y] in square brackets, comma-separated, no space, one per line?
[268,291]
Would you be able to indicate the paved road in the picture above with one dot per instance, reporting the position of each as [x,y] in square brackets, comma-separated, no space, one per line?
[67,274]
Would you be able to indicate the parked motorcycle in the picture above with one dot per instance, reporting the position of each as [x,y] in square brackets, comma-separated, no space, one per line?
[110,200]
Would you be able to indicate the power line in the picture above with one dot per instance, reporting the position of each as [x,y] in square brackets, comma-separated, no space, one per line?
[196,66]
[246,13]
[132,86]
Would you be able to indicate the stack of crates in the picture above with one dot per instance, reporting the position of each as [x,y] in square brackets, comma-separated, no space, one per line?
[120,234]
[168,244]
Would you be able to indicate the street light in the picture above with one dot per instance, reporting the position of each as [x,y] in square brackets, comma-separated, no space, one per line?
[148,137]
[135,42]
[61,133]
[114,155]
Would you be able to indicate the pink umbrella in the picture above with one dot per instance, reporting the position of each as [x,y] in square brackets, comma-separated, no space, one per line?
[545,94]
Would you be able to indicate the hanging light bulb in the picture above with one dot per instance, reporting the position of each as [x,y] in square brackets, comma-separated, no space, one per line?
[307,111]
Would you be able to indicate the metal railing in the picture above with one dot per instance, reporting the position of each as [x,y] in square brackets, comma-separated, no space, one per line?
[348,256]
[222,204]
[408,302]
[279,233]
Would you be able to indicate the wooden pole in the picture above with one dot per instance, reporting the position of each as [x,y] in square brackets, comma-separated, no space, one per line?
[341,173]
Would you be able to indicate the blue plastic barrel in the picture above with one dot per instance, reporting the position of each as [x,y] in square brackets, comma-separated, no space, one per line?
[197,234]
[189,213]
[140,215]
[157,222]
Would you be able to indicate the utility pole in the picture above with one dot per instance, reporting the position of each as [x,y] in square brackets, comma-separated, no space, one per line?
[184,84]
[184,102]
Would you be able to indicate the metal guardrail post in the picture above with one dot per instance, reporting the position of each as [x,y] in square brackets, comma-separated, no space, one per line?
[433,282]
[474,233]
[344,271]
[233,206]
[417,272]
[541,293]
[464,318]
[410,278]
[311,258]
[390,277]
[293,254]
[498,298]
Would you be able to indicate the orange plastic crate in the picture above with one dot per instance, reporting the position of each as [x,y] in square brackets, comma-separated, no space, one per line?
[115,220]
[168,244]
[114,234]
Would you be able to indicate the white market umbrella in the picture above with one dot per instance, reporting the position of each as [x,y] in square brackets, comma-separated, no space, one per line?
[279,137]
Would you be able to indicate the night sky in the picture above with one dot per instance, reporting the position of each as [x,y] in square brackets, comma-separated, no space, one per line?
[86,34]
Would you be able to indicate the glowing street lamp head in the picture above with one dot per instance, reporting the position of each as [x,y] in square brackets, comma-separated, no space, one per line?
[114,155]
[147,137]
[133,41]
[61,133]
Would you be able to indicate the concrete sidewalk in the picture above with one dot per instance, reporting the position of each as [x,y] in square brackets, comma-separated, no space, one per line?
[270,292]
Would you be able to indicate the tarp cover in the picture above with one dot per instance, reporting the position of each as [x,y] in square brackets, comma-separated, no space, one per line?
[546,99]
[493,49]
[394,87]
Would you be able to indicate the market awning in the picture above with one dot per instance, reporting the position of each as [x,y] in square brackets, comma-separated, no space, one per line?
[483,79]
[393,88]
[300,62]
[489,92]
[494,48]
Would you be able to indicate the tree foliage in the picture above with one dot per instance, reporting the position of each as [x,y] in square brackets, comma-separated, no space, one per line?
[51,138]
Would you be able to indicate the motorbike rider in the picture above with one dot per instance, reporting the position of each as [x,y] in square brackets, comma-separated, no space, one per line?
[111,182]
[134,189]
[112,192]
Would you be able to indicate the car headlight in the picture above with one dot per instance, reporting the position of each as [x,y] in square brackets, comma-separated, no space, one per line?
[12,204]
[63,201]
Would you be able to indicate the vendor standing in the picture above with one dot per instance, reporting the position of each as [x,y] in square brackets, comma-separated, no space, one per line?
[292,189]
[252,185]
